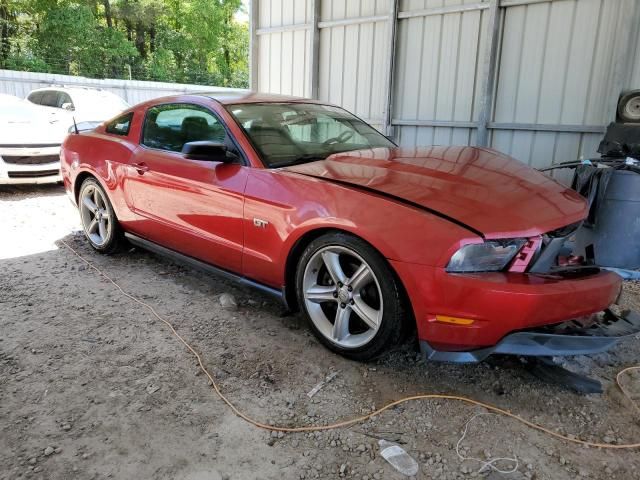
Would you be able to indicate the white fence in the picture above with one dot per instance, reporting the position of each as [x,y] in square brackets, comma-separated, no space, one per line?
[133,91]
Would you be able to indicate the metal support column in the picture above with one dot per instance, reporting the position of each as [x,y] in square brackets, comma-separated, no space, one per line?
[392,38]
[253,44]
[315,48]
[489,74]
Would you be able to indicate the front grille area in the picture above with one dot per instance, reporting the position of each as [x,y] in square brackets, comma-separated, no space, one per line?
[554,244]
[35,174]
[30,160]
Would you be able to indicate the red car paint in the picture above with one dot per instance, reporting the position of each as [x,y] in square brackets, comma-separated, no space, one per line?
[416,206]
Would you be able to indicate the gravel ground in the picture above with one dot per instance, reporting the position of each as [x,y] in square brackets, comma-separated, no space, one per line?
[92,386]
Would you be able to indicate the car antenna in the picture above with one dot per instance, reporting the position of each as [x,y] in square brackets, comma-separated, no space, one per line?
[75,126]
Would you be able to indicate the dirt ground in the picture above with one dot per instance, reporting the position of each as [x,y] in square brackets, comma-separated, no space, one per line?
[92,386]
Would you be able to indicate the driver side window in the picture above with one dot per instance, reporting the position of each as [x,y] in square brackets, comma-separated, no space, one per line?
[169,127]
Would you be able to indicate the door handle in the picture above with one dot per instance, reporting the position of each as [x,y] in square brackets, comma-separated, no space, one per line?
[141,167]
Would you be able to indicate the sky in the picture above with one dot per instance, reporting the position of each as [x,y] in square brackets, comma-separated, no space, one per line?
[242,15]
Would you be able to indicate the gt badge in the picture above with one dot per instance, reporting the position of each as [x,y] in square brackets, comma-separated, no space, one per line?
[258,222]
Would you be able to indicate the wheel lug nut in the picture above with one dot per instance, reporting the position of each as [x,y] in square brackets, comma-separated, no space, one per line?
[335,294]
[340,284]
[352,302]
[343,305]
[350,288]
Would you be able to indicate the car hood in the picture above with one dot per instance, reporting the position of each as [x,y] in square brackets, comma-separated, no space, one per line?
[485,190]
[23,124]
[39,134]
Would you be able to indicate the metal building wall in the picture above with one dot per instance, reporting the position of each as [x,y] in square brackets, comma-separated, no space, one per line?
[283,52]
[352,69]
[352,60]
[540,77]
[634,77]
[437,83]
[556,69]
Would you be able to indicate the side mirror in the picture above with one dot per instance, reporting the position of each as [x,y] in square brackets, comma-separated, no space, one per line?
[68,106]
[207,151]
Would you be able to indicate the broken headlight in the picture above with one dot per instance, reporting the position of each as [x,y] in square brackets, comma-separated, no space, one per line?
[490,256]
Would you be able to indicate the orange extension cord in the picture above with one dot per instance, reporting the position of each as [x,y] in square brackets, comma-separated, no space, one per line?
[352,421]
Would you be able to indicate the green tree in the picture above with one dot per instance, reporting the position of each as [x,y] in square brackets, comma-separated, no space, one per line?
[194,41]
[161,65]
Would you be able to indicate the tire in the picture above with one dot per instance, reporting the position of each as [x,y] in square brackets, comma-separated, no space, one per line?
[98,218]
[629,107]
[350,296]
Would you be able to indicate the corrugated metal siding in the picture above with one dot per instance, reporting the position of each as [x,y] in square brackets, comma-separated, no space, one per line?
[133,91]
[634,78]
[554,69]
[283,65]
[437,72]
[352,62]
[555,87]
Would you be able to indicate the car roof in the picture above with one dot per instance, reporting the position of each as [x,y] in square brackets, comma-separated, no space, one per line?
[68,88]
[248,96]
[231,97]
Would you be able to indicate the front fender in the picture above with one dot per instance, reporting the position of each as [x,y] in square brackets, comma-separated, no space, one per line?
[291,206]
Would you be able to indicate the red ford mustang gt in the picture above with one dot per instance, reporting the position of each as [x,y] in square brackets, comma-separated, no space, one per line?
[311,204]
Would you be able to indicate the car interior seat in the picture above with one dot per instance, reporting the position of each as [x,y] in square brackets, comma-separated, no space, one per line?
[194,129]
[273,141]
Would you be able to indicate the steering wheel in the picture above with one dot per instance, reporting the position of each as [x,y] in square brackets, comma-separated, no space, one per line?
[343,137]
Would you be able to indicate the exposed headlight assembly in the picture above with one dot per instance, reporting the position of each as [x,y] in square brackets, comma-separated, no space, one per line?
[490,256]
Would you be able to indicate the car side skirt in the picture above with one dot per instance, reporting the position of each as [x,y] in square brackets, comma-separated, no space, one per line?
[205,267]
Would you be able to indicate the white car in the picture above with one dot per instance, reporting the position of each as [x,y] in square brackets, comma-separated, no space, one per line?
[29,143]
[32,130]
[82,104]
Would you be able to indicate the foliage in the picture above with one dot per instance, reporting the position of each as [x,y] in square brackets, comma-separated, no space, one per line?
[193,41]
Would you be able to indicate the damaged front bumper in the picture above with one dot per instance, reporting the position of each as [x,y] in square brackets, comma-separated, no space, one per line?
[573,337]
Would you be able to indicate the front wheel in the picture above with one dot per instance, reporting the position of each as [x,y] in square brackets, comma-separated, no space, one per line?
[350,295]
[98,218]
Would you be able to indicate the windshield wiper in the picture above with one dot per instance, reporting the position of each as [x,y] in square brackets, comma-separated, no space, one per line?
[311,157]
[301,159]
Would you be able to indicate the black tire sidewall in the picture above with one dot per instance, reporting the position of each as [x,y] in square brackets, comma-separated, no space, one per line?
[622,103]
[390,331]
[113,242]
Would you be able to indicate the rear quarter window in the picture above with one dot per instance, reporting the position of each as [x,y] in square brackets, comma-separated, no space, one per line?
[35,97]
[49,98]
[121,125]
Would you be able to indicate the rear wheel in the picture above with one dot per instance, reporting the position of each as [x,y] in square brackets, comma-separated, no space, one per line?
[350,295]
[99,221]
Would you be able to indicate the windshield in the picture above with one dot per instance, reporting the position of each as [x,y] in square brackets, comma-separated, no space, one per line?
[290,133]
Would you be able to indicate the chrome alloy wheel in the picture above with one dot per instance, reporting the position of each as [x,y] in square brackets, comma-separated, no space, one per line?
[342,296]
[95,216]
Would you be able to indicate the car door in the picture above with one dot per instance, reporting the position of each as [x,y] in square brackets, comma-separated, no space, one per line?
[192,206]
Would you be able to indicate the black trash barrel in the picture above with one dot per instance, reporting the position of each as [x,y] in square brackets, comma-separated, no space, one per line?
[616,233]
